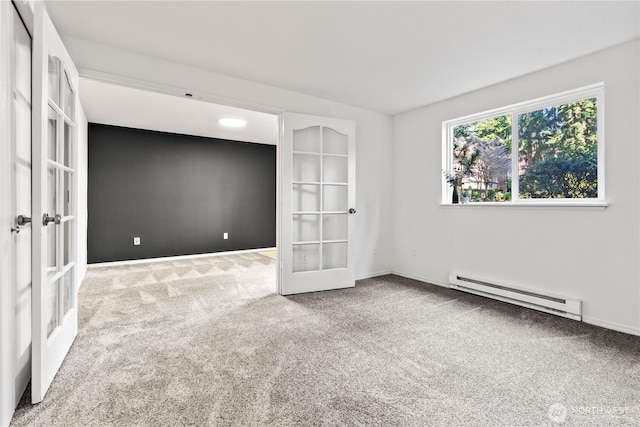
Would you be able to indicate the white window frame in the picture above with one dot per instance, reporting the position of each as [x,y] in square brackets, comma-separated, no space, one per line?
[574,95]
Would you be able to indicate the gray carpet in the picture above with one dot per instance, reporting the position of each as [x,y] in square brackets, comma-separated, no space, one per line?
[207,342]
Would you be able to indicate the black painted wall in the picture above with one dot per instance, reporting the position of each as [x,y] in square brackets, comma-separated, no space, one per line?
[178,193]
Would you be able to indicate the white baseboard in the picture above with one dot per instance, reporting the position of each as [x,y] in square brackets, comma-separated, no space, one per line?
[176,258]
[611,325]
[421,279]
[371,275]
[586,319]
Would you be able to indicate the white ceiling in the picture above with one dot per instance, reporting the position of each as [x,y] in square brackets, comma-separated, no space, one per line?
[385,56]
[122,106]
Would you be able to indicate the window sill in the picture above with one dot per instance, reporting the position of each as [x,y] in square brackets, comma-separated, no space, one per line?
[562,205]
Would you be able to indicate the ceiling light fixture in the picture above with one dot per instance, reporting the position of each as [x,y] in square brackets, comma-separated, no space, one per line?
[232,123]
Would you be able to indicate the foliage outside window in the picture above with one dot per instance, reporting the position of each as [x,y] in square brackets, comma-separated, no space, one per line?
[549,149]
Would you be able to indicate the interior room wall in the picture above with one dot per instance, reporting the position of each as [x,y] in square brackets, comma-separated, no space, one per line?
[591,254]
[373,175]
[82,176]
[179,194]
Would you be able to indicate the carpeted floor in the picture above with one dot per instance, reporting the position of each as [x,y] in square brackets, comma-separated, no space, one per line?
[207,342]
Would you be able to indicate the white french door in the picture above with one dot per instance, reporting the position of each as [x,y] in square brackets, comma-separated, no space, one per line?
[15,201]
[55,315]
[318,204]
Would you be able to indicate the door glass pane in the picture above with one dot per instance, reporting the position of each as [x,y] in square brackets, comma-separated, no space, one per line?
[67,193]
[51,307]
[306,228]
[334,255]
[67,300]
[51,135]
[68,96]
[51,228]
[51,251]
[334,227]
[306,198]
[307,139]
[306,167]
[54,80]
[67,144]
[334,169]
[68,228]
[333,142]
[306,258]
[334,198]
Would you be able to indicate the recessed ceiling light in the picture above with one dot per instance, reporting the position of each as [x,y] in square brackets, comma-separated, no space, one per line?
[232,123]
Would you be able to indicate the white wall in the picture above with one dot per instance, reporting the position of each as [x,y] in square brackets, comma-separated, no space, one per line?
[373,172]
[589,254]
[82,171]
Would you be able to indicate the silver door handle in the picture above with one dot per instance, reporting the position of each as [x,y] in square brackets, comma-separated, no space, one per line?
[46,219]
[17,229]
[23,220]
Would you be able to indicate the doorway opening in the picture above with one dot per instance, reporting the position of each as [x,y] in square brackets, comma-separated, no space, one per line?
[168,120]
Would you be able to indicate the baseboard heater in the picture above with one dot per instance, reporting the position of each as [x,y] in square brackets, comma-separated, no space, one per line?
[553,304]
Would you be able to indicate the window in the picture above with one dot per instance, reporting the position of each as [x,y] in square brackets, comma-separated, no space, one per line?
[546,150]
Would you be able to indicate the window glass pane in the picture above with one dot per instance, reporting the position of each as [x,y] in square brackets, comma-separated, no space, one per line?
[558,152]
[334,198]
[306,228]
[306,258]
[68,290]
[306,198]
[67,193]
[68,233]
[334,227]
[334,255]
[54,80]
[307,139]
[67,145]
[333,142]
[68,96]
[306,167]
[51,306]
[52,141]
[51,228]
[482,160]
[334,169]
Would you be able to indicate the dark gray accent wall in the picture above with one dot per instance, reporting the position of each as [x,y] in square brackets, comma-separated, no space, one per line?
[178,193]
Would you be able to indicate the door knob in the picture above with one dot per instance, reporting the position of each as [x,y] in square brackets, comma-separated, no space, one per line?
[23,220]
[352,211]
[17,229]
[46,219]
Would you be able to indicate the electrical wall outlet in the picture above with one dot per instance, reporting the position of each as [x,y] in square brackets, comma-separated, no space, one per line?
[225,236]
[136,241]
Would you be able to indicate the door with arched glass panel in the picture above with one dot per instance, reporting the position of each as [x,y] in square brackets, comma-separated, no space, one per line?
[55,315]
[318,204]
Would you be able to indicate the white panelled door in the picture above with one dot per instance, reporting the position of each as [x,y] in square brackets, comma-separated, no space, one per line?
[318,204]
[55,314]
[15,209]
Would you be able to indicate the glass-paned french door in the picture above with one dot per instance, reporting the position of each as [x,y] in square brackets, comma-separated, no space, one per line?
[54,314]
[58,219]
[318,204]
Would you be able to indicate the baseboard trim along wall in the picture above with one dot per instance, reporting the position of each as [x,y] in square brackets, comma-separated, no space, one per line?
[610,325]
[176,258]
[586,319]
[372,275]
